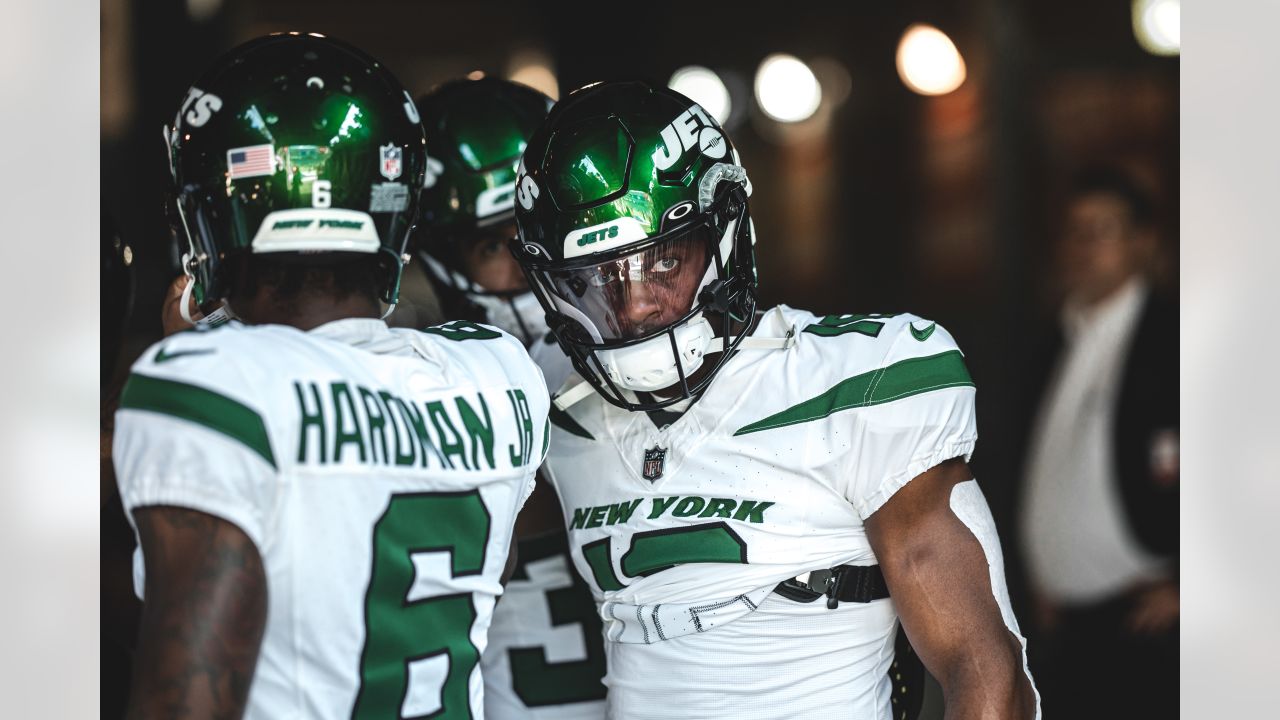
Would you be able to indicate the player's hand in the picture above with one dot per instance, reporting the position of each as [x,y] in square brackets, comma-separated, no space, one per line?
[1156,609]
[171,313]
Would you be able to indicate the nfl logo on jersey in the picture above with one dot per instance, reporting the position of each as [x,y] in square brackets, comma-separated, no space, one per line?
[653,461]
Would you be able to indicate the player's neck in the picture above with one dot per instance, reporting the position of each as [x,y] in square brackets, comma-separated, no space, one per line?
[304,311]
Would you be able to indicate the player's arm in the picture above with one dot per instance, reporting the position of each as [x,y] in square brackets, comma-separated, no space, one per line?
[202,619]
[513,559]
[926,539]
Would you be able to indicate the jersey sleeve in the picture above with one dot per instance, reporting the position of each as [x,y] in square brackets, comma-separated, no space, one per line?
[189,435]
[917,411]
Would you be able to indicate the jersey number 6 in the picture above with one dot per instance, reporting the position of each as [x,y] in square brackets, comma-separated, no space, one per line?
[409,638]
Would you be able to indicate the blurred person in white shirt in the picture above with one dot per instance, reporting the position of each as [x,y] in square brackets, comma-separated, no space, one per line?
[1098,517]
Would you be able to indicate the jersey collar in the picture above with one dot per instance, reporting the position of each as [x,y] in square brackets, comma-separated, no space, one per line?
[357,332]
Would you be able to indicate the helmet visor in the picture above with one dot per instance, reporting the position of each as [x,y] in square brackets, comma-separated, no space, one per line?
[636,295]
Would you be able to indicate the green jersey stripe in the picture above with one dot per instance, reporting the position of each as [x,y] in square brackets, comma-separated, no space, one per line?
[198,405]
[899,380]
[565,421]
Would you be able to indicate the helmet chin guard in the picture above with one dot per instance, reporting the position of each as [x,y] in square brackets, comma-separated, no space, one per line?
[651,365]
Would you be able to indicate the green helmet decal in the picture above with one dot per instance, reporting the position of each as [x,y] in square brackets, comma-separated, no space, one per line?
[631,209]
[296,143]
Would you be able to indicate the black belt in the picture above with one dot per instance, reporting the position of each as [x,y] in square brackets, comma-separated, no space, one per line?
[845,583]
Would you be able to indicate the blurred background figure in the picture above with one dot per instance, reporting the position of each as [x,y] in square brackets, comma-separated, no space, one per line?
[1098,517]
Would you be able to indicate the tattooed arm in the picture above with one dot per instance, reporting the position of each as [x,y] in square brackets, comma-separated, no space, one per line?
[202,619]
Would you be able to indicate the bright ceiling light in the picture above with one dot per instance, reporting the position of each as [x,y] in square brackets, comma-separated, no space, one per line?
[1158,26]
[787,89]
[203,10]
[703,86]
[928,61]
[534,69]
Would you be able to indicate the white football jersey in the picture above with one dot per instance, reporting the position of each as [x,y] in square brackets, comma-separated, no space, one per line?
[555,365]
[378,471]
[545,658]
[684,531]
[546,651]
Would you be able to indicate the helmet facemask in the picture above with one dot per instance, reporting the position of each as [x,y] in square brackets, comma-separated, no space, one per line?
[645,316]
[516,311]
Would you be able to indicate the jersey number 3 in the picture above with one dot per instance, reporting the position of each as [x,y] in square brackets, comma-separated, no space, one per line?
[421,644]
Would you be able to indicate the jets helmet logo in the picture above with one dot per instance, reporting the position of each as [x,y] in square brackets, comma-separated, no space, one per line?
[692,129]
[526,192]
[654,460]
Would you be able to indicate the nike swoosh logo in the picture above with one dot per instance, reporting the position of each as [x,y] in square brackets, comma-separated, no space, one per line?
[162,356]
[924,334]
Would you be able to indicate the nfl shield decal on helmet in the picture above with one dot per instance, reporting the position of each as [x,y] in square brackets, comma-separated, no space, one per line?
[654,460]
[391,157]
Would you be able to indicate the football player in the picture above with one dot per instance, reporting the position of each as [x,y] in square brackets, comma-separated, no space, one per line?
[546,651]
[756,499]
[324,504]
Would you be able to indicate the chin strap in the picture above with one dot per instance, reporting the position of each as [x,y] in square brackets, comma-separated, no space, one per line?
[213,319]
[390,309]
[184,305]
[580,390]
[570,397]
[755,343]
[451,277]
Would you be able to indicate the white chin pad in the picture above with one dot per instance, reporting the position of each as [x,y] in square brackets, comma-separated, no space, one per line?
[968,504]
[651,366]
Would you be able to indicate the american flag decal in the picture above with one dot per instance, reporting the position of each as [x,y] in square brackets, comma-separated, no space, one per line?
[251,161]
